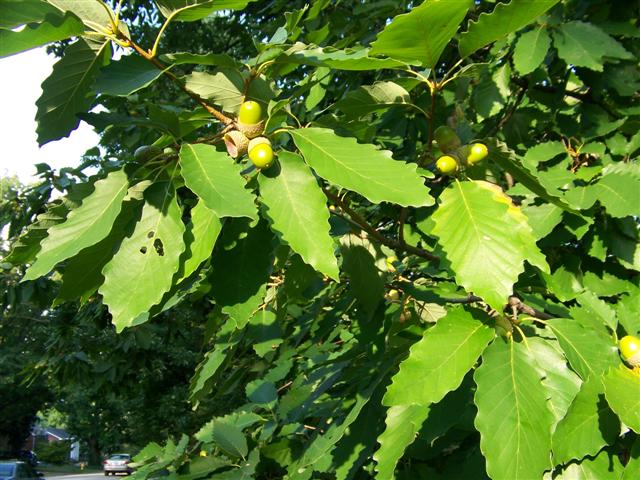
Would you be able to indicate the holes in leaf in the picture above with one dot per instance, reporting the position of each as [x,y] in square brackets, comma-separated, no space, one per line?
[151,234]
[143,250]
[157,244]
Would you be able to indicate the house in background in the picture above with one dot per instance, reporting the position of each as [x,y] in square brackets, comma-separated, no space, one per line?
[42,434]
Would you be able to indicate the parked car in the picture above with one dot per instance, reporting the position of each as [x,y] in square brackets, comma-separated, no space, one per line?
[117,463]
[18,470]
[24,455]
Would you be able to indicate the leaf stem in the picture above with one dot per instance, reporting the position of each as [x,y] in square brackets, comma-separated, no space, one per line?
[364,225]
[167,73]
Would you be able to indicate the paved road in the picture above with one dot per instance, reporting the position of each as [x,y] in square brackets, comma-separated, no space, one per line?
[78,476]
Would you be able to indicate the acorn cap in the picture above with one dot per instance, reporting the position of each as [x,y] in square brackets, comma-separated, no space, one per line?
[257,141]
[236,142]
[251,130]
[634,360]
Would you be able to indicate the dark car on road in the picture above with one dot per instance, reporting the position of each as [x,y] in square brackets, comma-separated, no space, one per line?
[18,470]
[117,463]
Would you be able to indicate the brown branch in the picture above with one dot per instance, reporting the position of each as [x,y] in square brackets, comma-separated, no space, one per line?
[376,235]
[509,113]
[162,67]
[401,221]
[518,306]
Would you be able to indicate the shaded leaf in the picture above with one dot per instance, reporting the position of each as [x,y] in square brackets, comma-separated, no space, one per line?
[53,29]
[192,10]
[65,91]
[585,45]
[126,76]
[373,98]
[20,12]
[240,274]
[359,263]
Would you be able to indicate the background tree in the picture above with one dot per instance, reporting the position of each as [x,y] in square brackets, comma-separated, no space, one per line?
[369,309]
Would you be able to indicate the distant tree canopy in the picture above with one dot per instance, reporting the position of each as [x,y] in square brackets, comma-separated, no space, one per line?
[420,259]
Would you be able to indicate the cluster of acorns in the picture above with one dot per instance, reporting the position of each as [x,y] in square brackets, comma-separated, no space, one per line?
[456,154]
[247,136]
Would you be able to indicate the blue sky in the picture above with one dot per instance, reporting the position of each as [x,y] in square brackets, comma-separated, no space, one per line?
[20,79]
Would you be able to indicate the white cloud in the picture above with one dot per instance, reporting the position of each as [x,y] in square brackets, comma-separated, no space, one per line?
[20,79]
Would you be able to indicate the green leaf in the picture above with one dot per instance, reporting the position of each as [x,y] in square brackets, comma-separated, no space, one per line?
[561,382]
[486,239]
[126,76]
[505,18]
[53,29]
[192,10]
[513,417]
[226,88]
[373,98]
[83,273]
[605,465]
[403,424]
[228,437]
[622,389]
[84,226]
[65,92]
[500,153]
[531,49]
[322,444]
[619,192]
[142,270]
[404,39]
[542,218]
[202,467]
[632,469]
[240,274]
[583,44]
[298,212]
[359,263]
[213,59]
[439,361]
[27,246]
[226,339]
[265,332]
[216,179]
[20,12]
[361,168]
[91,12]
[589,351]
[588,425]
[200,237]
[347,59]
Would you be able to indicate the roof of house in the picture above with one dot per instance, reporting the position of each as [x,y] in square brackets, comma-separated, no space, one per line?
[56,432]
